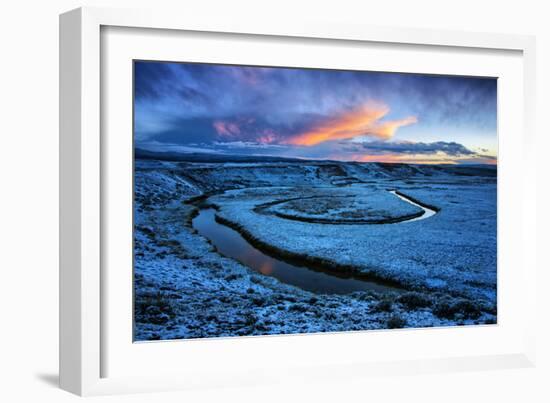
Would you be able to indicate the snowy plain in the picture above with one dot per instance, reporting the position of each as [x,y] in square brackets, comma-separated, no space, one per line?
[337,217]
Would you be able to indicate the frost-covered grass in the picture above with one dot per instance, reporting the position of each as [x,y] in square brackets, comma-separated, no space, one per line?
[185,289]
[341,205]
[453,251]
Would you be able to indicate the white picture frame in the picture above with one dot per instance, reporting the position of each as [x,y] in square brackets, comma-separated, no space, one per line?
[83,172]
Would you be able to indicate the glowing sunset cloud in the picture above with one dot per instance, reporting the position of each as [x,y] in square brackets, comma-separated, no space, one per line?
[363,121]
[386,130]
[314,113]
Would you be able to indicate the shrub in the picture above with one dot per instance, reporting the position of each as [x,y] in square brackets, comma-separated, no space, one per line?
[467,309]
[330,316]
[414,300]
[444,309]
[384,305]
[449,309]
[396,322]
[258,301]
[256,280]
[250,319]
[298,307]
[154,308]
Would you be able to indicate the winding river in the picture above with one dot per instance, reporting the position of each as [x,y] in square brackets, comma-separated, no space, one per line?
[428,212]
[231,244]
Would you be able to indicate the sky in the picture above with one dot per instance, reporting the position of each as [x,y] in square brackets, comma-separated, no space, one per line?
[315,113]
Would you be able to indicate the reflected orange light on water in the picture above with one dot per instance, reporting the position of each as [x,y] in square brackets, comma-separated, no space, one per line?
[266,268]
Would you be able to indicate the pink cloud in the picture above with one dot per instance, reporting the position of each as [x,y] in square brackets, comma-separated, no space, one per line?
[226,129]
[268,136]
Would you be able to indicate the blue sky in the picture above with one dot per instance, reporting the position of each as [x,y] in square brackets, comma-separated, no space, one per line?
[314,113]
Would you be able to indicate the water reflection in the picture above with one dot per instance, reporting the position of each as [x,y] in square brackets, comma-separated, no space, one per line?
[231,244]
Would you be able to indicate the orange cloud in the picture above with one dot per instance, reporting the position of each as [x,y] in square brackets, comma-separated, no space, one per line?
[387,129]
[363,121]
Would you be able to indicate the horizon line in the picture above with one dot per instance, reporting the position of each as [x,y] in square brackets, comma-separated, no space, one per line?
[223,154]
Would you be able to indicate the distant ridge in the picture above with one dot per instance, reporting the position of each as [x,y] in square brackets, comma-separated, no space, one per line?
[460,170]
[140,153]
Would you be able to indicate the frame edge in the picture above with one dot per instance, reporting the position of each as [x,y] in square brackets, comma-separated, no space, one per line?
[79,310]
[70,294]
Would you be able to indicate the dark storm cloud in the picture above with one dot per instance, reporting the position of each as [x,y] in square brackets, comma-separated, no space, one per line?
[186,103]
[381,147]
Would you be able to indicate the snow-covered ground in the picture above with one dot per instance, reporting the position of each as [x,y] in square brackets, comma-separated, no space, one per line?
[445,265]
[339,205]
[455,250]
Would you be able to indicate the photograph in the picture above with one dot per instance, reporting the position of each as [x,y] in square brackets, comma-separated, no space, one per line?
[272,200]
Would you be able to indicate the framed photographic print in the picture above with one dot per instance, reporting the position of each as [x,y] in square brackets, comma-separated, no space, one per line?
[237,198]
[363,216]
